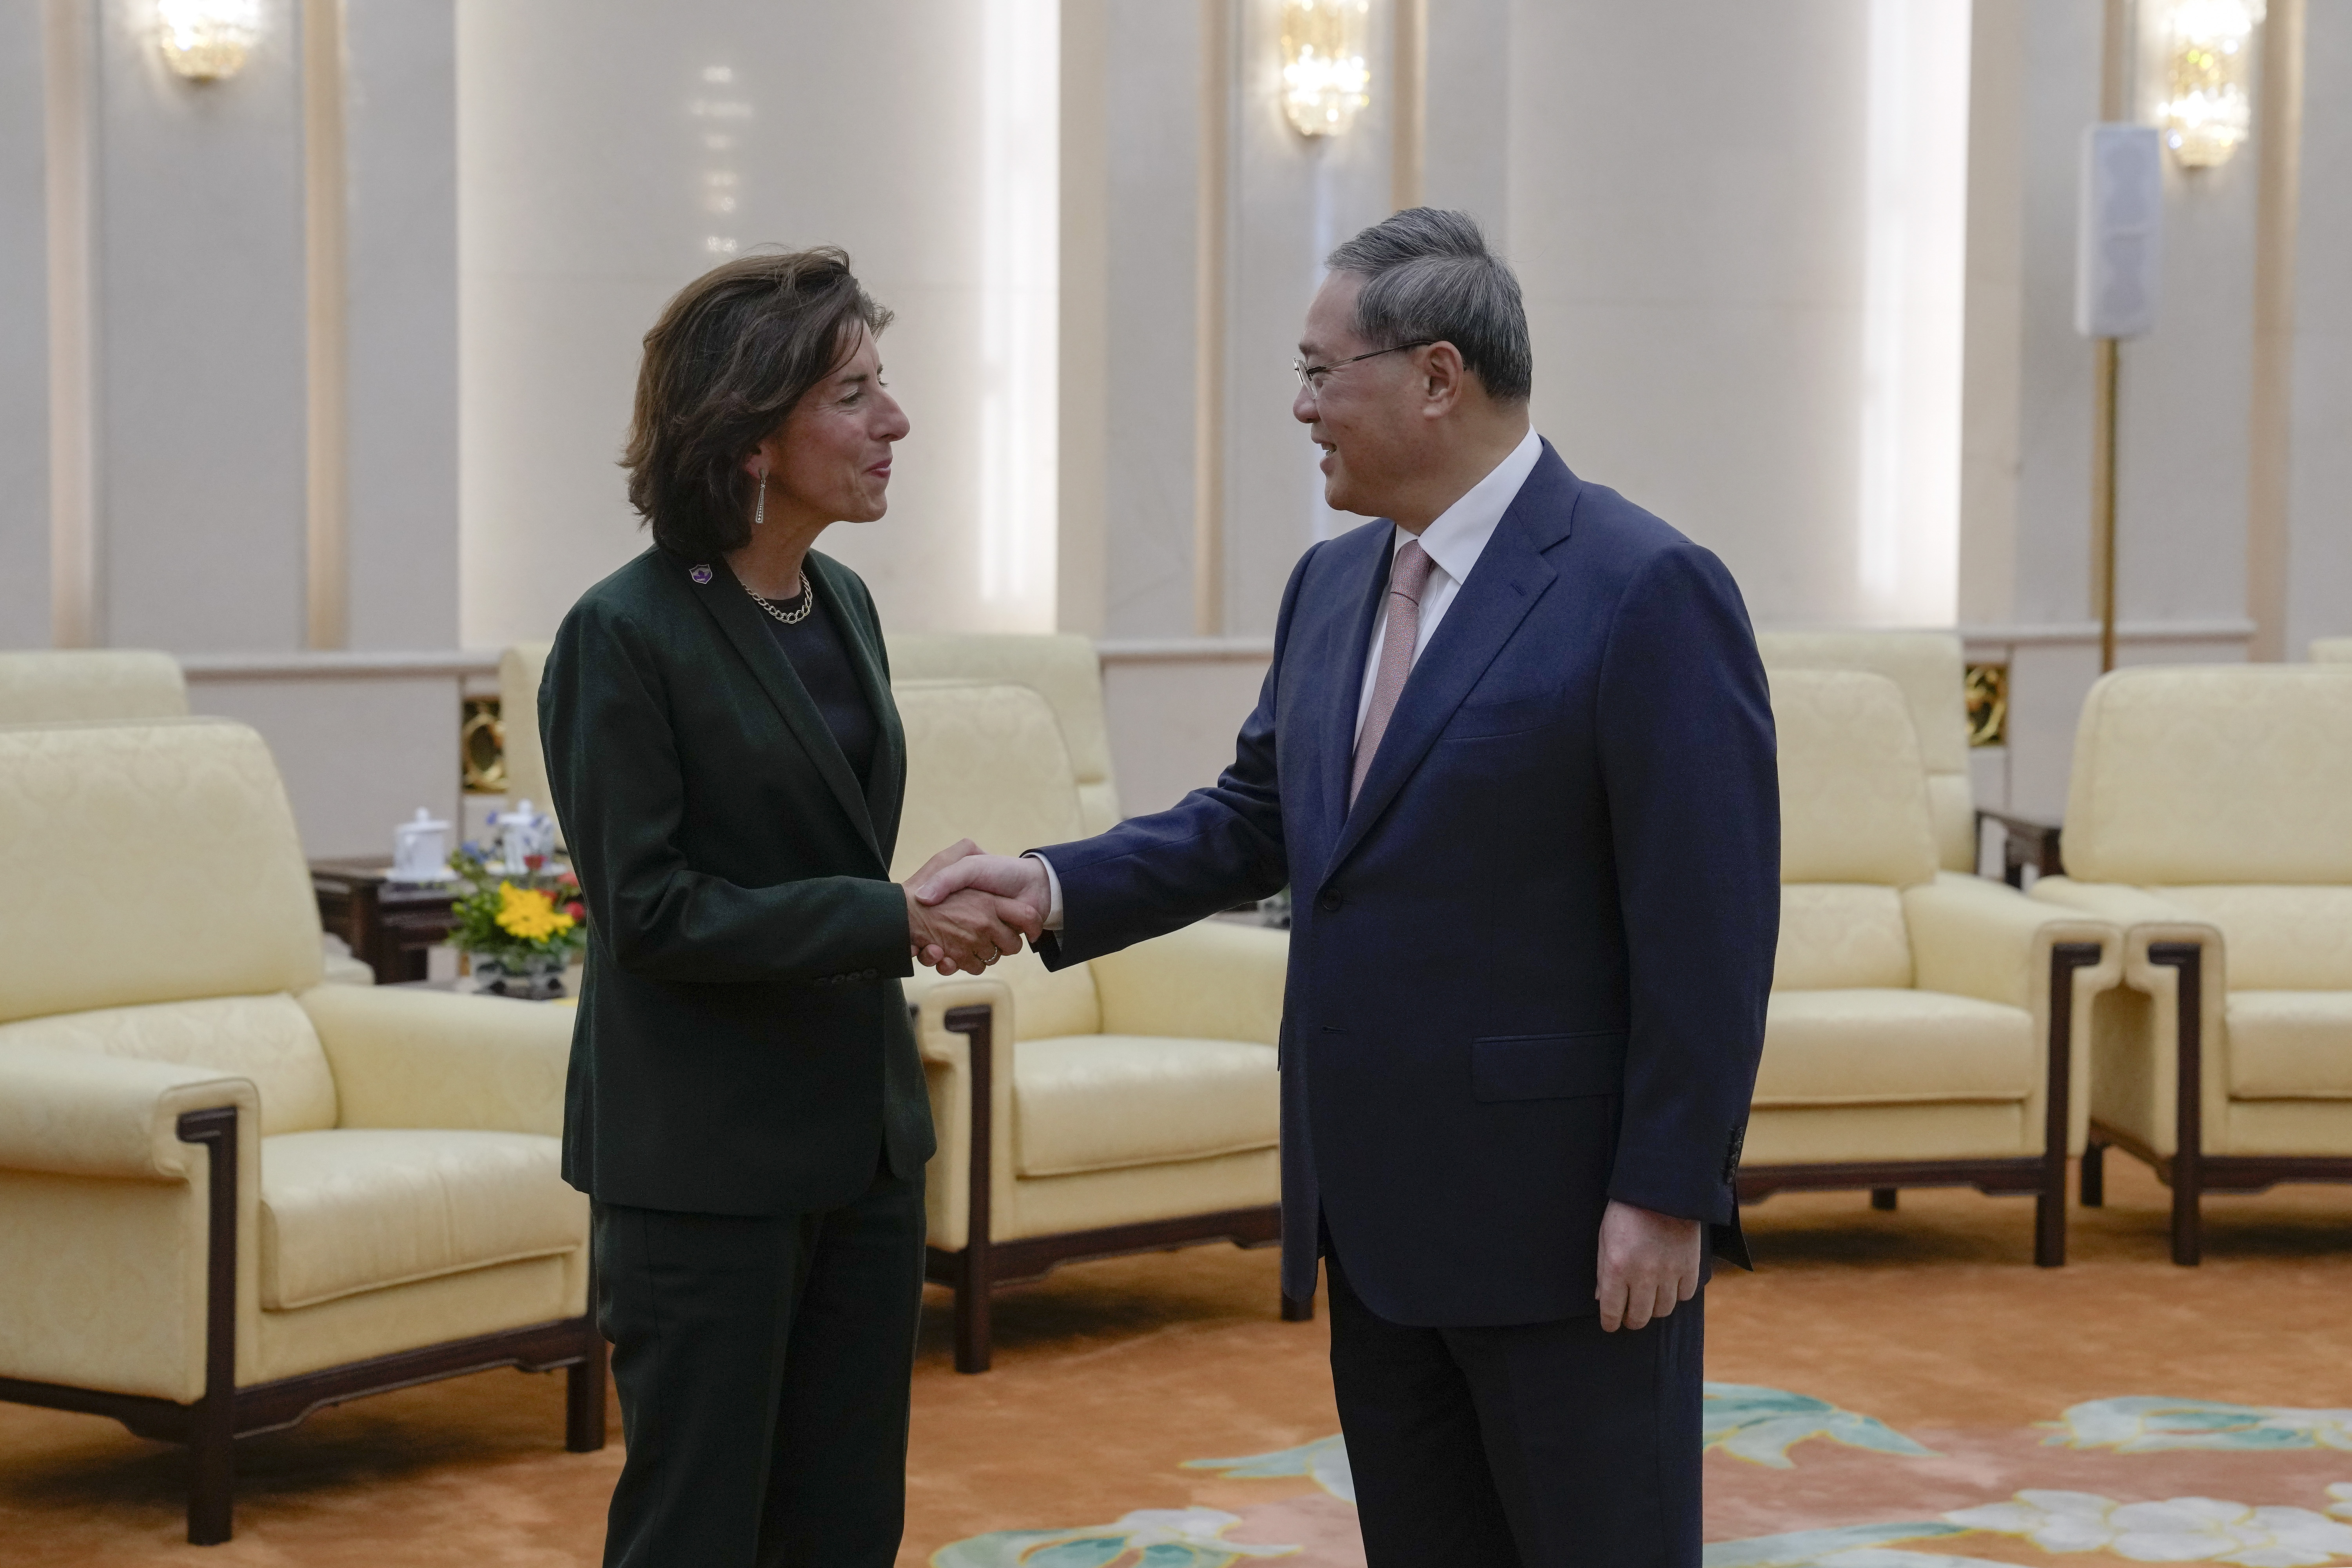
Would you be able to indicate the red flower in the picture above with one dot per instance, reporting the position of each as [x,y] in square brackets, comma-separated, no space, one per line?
[534,861]
[566,880]
[577,911]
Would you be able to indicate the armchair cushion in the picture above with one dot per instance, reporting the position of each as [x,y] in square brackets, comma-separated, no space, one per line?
[1931,671]
[2290,1044]
[1889,1047]
[54,686]
[2232,774]
[1063,669]
[347,1211]
[1854,801]
[425,1058]
[166,866]
[266,1039]
[1100,1102]
[1836,934]
[2279,937]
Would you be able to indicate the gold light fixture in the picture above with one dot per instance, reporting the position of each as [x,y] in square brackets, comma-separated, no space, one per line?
[1324,76]
[207,40]
[2208,56]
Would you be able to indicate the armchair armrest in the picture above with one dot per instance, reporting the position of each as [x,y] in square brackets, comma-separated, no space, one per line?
[1976,938]
[2025,841]
[2149,1053]
[78,1113]
[1980,938]
[1214,981]
[427,1058]
[971,1100]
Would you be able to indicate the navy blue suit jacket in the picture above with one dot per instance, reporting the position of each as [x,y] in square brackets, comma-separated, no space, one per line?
[1528,968]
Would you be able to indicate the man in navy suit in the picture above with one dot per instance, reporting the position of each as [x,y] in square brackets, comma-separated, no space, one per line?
[1514,759]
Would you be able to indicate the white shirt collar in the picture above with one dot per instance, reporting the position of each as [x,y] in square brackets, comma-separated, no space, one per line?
[1459,536]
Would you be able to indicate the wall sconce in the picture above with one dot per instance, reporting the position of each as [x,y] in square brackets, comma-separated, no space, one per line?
[207,40]
[1323,70]
[2208,54]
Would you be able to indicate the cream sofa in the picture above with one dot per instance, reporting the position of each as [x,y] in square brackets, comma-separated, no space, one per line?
[1127,1104]
[2331,650]
[1921,1029]
[66,685]
[2210,817]
[1062,667]
[230,1195]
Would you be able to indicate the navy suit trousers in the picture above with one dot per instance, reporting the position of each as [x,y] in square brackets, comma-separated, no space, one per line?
[1533,1446]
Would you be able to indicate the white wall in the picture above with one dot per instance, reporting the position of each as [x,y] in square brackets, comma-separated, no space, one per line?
[201,377]
[588,194]
[400,138]
[1690,208]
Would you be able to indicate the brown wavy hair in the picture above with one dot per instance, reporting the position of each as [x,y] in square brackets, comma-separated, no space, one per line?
[730,356]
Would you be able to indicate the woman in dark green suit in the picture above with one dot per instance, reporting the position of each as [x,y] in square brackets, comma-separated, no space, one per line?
[746,1107]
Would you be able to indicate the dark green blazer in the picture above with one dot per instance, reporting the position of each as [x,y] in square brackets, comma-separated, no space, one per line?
[742,1045]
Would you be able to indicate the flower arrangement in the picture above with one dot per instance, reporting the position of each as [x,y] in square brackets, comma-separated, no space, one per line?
[517,930]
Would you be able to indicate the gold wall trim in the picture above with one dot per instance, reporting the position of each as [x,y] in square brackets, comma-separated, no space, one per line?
[326,573]
[1409,107]
[2278,143]
[68,46]
[1213,185]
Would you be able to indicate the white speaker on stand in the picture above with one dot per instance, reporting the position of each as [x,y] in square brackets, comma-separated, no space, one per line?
[2118,270]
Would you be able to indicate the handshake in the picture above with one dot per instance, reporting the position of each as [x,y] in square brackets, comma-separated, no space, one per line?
[966,909]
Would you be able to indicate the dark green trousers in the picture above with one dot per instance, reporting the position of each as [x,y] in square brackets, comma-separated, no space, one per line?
[762,1365]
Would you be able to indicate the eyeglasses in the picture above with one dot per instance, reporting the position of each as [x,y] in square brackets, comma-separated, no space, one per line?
[1313,376]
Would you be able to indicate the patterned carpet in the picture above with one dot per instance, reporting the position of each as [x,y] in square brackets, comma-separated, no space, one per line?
[1892,1391]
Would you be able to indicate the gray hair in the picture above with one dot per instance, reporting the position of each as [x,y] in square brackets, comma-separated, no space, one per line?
[1428,274]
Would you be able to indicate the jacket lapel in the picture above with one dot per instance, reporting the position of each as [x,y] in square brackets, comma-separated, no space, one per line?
[886,783]
[1510,576]
[741,619]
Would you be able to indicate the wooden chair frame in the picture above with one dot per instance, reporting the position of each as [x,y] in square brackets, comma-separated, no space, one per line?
[986,1264]
[2043,1174]
[211,1425]
[2190,1172]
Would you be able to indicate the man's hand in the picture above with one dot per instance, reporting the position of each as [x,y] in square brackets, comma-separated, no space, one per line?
[968,931]
[1648,1262]
[1006,876]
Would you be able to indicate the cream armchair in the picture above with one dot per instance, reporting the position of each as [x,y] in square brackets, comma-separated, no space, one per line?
[1129,1104]
[229,1194]
[1921,1029]
[2209,816]
[65,685]
[2331,650]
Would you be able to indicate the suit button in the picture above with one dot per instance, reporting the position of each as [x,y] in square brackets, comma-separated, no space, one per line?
[1328,903]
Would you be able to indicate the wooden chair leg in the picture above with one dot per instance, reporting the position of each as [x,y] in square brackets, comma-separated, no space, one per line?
[2188,1231]
[1883,1198]
[1297,1311]
[584,1383]
[2050,1224]
[211,1478]
[971,1324]
[2095,1176]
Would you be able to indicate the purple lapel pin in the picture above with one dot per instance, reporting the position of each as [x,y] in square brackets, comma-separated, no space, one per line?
[700,573]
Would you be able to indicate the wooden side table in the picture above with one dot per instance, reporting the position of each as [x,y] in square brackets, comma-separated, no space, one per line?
[386,924]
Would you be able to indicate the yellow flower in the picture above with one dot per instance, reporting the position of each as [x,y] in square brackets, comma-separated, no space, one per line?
[530,915]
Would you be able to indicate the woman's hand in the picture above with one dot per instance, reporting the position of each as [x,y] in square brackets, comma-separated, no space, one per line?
[968,931]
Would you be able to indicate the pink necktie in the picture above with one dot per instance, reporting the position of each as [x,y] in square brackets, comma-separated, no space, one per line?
[1407,576]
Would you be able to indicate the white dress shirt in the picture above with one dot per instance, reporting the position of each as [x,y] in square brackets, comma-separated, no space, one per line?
[1454,542]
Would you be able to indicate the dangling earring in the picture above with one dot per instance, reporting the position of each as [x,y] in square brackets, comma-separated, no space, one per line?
[760,507]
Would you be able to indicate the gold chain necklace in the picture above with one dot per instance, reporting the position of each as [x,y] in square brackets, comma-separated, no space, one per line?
[790,617]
